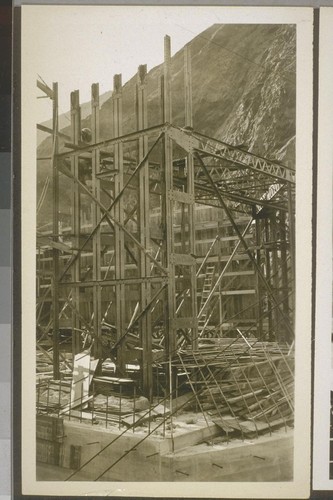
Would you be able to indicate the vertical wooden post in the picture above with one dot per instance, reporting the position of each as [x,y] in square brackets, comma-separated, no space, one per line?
[76,205]
[167,208]
[259,309]
[190,191]
[268,237]
[166,102]
[96,216]
[188,87]
[275,276]
[144,231]
[55,251]
[219,266]
[284,269]
[292,244]
[118,213]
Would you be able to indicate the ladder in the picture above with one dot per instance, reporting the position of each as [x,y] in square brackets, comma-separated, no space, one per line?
[207,287]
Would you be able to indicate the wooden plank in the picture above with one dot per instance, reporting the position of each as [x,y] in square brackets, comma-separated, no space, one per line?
[223,424]
[113,380]
[45,241]
[81,377]
[83,370]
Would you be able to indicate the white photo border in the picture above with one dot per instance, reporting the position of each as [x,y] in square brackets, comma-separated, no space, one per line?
[300,486]
[323,314]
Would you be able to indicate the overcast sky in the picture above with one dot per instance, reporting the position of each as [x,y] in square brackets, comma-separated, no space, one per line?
[80,45]
[77,46]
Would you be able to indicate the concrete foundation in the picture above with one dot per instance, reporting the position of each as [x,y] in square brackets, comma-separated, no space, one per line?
[157,458]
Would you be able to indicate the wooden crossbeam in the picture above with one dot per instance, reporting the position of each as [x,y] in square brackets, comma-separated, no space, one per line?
[49,130]
[46,89]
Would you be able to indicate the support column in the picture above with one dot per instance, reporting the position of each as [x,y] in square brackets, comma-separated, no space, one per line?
[219,267]
[76,134]
[96,216]
[118,213]
[167,212]
[268,236]
[284,295]
[55,230]
[292,248]
[188,87]
[275,275]
[259,319]
[144,231]
[190,192]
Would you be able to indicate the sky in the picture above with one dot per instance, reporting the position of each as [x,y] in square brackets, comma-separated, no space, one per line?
[78,46]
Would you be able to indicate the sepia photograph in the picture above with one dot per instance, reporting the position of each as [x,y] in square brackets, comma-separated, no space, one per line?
[166,242]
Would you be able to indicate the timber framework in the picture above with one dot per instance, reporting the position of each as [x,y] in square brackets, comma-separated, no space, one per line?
[166,308]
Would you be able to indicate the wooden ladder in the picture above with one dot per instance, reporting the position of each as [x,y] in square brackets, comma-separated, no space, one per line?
[207,287]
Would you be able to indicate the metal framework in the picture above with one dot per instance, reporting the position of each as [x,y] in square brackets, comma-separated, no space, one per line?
[187,236]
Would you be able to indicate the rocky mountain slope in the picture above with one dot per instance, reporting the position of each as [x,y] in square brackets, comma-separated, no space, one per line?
[244,92]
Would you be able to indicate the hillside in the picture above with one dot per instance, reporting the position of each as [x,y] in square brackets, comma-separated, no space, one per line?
[244,92]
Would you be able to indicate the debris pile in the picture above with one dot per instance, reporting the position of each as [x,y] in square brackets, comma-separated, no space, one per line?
[243,386]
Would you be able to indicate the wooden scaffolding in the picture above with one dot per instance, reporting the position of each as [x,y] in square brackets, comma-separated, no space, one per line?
[148,265]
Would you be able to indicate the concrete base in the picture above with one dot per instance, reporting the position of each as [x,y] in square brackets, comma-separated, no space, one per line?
[268,458]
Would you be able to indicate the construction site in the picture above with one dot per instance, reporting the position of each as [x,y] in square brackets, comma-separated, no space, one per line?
[165,295]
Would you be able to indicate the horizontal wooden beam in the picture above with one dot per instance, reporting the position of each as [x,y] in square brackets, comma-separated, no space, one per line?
[44,88]
[132,136]
[45,241]
[49,130]
[182,259]
[125,281]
